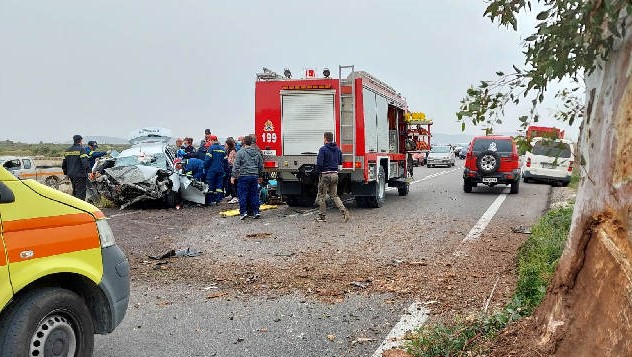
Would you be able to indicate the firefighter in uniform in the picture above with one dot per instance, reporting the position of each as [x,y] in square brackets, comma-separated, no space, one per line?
[214,167]
[76,166]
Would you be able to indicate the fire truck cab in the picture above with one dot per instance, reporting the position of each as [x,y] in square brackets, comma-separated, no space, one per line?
[367,119]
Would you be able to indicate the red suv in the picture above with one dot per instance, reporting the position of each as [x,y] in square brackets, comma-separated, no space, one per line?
[492,160]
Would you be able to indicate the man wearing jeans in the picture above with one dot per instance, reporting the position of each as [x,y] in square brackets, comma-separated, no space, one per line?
[247,167]
[327,163]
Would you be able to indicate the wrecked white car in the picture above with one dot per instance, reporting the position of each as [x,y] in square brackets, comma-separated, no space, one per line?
[145,172]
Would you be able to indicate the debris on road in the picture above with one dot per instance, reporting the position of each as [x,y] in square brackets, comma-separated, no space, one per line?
[216,295]
[361,284]
[188,252]
[521,229]
[331,337]
[235,212]
[362,340]
[259,235]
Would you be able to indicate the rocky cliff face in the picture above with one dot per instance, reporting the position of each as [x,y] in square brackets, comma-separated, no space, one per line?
[588,309]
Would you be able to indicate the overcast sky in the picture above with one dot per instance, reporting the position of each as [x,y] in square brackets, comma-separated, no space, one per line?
[108,67]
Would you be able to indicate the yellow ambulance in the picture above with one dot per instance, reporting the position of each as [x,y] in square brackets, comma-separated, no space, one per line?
[62,276]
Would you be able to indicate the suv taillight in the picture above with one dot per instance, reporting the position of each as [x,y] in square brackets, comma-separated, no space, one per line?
[529,162]
[515,157]
[570,166]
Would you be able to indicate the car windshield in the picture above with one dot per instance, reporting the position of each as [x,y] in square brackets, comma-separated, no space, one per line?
[158,160]
[440,149]
[498,145]
[552,149]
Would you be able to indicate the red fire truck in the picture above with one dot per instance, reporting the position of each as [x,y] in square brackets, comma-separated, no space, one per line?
[367,119]
[544,131]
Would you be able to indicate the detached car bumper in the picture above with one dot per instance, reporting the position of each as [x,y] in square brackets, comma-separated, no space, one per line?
[546,176]
[493,178]
[446,162]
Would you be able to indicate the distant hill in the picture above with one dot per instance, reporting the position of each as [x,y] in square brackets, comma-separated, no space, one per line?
[440,138]
[105,140]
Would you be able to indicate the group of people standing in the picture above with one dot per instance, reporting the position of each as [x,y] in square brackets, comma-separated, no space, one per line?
[233,169]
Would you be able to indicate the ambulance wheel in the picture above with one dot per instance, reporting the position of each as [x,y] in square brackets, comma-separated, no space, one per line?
[378,199]
[47,322]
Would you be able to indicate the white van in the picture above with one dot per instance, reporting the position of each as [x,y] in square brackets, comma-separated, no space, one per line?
[549,160]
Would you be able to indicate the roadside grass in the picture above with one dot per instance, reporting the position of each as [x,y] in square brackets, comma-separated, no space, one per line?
[574,181]
[537,259]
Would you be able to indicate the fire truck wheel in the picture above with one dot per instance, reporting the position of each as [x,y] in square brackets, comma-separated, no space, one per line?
[378,199]
[403,190]
[361,201]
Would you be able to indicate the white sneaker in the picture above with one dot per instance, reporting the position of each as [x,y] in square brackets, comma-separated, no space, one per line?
[234,200]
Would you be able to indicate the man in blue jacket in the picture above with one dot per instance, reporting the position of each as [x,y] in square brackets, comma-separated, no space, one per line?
[92,153]
[195,168]
[214,166]
[328,161]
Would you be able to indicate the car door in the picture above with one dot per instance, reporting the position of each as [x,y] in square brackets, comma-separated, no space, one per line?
[6,291]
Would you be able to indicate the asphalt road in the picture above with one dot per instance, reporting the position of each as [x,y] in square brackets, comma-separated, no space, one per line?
[178,320]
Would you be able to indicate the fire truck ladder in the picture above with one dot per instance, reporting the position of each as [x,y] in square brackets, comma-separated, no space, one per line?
[347,130]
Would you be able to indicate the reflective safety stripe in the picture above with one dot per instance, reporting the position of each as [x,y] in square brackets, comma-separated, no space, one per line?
[222,151]
[209,154]
[83,155]
[46,236]
[50,173]
[72,153]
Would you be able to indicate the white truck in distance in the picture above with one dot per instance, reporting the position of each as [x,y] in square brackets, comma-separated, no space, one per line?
[24,167]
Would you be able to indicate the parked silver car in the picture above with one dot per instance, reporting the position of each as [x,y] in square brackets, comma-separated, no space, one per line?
[440,155]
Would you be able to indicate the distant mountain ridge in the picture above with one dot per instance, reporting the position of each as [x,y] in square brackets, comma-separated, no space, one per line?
[105,140]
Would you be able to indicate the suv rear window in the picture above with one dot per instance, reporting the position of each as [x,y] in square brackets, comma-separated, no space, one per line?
[552,149]
[502,145]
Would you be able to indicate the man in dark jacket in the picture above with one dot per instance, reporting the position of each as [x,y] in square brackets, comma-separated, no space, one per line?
[247,167]
[327,163]
[76,166]
[214,167]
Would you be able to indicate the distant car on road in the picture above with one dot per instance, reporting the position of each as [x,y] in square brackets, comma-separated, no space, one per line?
[492,160]
[440,155]
[549,161]
[462,153]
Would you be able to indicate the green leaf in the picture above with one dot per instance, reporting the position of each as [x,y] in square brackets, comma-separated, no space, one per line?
[531,38]
[463,126]
[499,73]
[542,15]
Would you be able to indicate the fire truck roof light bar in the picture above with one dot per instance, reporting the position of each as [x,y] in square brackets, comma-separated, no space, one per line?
[321,86]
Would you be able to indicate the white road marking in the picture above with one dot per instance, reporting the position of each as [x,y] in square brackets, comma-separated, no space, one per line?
[479,227]
[415,316]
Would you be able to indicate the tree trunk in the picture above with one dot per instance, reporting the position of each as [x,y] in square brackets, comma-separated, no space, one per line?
[588,308]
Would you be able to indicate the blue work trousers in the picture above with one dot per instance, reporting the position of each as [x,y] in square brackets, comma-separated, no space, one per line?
[215,182]
[247,187]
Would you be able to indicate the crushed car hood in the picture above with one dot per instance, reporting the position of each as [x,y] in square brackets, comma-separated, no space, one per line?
[126,185]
